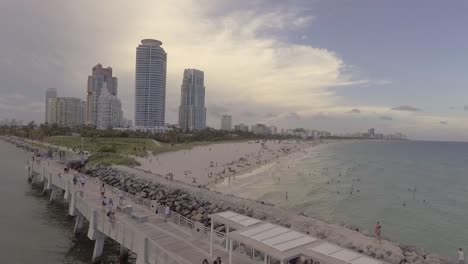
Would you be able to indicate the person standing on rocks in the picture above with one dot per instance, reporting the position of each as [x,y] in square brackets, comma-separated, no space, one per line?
[461,256]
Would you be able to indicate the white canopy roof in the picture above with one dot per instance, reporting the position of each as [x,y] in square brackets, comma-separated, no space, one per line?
[331,253]
[276,241]
[234,220]
[285,244]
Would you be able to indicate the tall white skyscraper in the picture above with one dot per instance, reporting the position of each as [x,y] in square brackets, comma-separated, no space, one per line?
[150,84]
[226,122]
[192,111]
[50,93]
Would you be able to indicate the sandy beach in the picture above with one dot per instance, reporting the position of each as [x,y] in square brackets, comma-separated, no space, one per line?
[211,164]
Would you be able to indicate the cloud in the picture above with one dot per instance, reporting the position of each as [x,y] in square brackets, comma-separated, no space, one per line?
[217,111]
[242,48]
[354,111]
[406,108]
[443,122]
[386,118]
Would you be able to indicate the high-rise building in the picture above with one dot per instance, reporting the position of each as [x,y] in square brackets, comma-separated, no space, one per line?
[261,129]
[241,128]
[226,122]
[100,80]
[66,111]
[109,112]
[192,111]
[274,130]
[50,93]
[150,84]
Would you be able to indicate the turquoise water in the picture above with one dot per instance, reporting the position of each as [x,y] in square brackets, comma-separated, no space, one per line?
[381,176]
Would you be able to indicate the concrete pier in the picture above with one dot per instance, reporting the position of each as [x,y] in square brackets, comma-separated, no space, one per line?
[135,227]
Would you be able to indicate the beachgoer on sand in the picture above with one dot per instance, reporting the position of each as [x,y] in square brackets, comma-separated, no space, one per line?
[205,261]
[377,230]
[461,256]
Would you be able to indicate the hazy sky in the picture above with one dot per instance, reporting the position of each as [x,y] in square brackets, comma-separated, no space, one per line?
[338,65]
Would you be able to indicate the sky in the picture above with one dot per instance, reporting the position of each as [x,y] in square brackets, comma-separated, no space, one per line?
[337,65]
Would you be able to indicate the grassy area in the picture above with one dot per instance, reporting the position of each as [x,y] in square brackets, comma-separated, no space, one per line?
[132,146]
[118,151]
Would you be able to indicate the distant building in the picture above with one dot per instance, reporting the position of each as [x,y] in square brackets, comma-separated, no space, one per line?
[109,111]
[241,128]
[50,93]
[372,132]
[192,111]
[100,80]
[150,85]
[127,122]
[66,111]
[261,129]
[274,130]
[226,122]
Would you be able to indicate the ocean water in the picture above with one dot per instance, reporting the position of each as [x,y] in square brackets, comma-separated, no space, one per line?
[32,229]
[417,189]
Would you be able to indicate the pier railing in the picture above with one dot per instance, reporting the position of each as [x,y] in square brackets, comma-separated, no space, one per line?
[219,238]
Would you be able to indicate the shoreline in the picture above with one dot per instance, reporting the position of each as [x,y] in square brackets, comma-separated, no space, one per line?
[208,165]
[341,235]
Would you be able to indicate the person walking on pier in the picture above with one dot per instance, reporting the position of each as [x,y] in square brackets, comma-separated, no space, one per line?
[167,211]
[103,190]
[83,181]
[110,208]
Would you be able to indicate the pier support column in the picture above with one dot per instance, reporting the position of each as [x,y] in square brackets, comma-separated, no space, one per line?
[211,238]
[53,194]
[44,191]
[42,174]
[227,239]
[78,223]
[142,257]
[98,249]
[66,195]
[123,255]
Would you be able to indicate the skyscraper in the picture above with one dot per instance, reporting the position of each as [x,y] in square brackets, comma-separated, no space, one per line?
[192,111]
[226,122]
[150,84]
[50,93]
[101,79]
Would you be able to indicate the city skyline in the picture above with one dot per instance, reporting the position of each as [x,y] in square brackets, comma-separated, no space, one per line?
[300,65]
